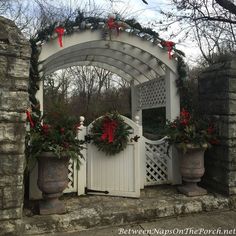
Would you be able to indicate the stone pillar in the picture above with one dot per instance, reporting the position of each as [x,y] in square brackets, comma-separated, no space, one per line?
[14,74]
[217,99]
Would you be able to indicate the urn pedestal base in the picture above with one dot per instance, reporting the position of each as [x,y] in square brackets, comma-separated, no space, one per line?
[192,190]
[51,205]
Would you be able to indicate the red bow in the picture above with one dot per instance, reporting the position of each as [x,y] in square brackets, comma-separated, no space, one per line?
[30,119]
[169,45]
[60,32]
[113,25]
[109,128]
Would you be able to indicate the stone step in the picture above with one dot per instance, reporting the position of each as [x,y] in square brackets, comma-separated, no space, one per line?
[96,211]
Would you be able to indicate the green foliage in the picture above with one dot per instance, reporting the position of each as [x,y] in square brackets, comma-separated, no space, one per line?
[34,77]
[186,130]
[121,134]
[182,84]
[54,132]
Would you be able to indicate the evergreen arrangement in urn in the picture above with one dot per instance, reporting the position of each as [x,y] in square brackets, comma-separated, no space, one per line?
[186,131]
[53,132]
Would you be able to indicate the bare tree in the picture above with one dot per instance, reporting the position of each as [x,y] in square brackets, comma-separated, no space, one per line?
[88,90]
[212,23]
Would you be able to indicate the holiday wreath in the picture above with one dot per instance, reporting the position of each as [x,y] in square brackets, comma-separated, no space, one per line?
[110,133]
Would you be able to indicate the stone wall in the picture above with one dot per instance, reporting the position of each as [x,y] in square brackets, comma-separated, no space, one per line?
[217,95]
[14,74]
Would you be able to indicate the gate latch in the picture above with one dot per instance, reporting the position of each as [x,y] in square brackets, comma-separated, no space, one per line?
[135,138]
[88,138]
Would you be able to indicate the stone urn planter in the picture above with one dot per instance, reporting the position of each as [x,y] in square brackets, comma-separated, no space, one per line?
[52,180]
[192,169]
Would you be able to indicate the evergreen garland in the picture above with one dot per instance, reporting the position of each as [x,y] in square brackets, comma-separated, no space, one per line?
[34,79]
[121,134]
[82,23]
[183,88]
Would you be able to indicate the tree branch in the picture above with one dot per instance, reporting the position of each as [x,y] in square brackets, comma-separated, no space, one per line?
[219,19]
[228,5]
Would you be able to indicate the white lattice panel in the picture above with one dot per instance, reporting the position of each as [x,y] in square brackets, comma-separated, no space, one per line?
[157,162]
[72,177]
[152,94]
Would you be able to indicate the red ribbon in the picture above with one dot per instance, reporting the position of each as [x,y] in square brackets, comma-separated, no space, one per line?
[60,32]
[109,128]
[112,24]
[169,45]
[30,119]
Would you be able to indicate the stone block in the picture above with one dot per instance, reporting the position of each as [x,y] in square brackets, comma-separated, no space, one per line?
[13,148]
[3,66]
[219,178]
[164,211]
[232,107]
[226,130]
[14,101]
[12,164]
[225,65]
[11,84]
[214,185]
[232,178]
[221,156]
[13,117]
[214,107]
[213,84]
[232,154]
[233,202]
[217,174]
[12,228]
[11,180]
[192,207]
[20,85]
[232,85]
[18,68]
[12,197]
[1,195]
[232,190]
[11,132]
[229,142]
[10,33]
[219,96]
[21,51]
[14,213]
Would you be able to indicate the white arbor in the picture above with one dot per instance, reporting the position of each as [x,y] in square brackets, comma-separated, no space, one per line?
[152,76]
[143,64]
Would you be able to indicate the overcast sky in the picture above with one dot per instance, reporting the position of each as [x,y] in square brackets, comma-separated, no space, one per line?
[145,14]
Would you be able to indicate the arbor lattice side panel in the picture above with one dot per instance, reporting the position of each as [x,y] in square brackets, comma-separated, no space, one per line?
[152,94]
[157,162]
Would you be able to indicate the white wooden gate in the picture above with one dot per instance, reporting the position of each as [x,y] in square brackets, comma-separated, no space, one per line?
[117,175]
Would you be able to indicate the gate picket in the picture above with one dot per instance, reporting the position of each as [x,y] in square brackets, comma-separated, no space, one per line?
[118,174]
